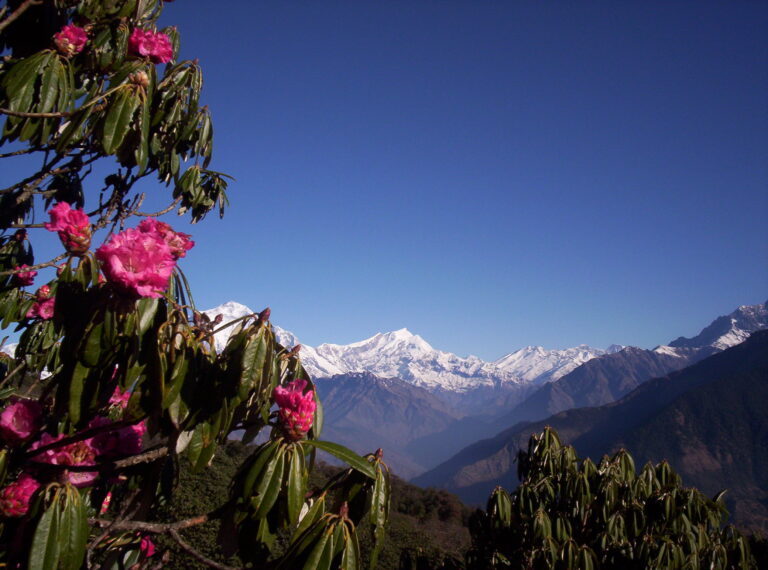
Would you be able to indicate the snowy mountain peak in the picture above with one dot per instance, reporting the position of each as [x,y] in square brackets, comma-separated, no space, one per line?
[724,332]
[408,356]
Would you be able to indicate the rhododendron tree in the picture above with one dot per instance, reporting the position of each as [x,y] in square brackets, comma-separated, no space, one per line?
[116,377]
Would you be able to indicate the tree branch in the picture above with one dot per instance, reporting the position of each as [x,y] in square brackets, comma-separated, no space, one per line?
[155,528]
[50,263]
[54,115]
[19,11]
[197,555]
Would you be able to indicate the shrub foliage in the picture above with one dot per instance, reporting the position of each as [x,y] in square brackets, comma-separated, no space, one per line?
[569,513]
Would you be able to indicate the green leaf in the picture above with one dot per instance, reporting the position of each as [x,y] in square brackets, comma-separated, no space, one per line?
[79,374]
[350,559]
[262,456]
[316,555]
[49,86]
[379,515]
[314,513]
[347,455]
[76,538]
[44,552]
[297,483]
[118,119]
[317,425]
[270,485]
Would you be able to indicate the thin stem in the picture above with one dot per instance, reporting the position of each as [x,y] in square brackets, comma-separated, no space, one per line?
[12,373]
[170,207]
[197,555]
[23,151]
[50,263]
[54,115]
[230,323]
[19,11]
[155,528]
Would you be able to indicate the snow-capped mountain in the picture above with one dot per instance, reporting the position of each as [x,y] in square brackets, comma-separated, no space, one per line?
[538,365]
[405,355]
[724,332]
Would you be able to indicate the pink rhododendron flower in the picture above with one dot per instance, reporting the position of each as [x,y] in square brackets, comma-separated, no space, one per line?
[147,547]
[73,226]
[74,454]
[70,40]
[154,45]
[118,397]
[24,278]
[178,242]
[297,408]
[20,420]
[14,499]
[137,262]
[44,305]
[122,441]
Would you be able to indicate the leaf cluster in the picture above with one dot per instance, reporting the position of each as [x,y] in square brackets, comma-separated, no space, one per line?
[568,513]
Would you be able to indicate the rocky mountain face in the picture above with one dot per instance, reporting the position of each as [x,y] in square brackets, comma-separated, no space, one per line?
[365,412]
[707,419]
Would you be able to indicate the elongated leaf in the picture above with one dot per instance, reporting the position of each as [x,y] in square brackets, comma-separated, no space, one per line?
[350,559]
[73,528]
[297,484]
[316,555]
[313,514]
[263,455]
[270,485]
[347,455]
[44,553]
[76,385]
[118,119]
[49,86]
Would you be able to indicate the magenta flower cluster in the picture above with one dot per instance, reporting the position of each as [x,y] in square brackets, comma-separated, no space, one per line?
[43,306]
[154,45]
[25,276]
[70,40]
[14,499]
[296,409]
[140,261]
[21,422]
[73,227]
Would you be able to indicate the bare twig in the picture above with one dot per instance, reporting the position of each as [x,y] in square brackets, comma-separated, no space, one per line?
[54,115]
[50,263]
[170,207]
[23,151]
[155,528]
[19,11]
[197,555]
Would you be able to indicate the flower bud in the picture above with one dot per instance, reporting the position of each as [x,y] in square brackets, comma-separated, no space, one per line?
[139,78]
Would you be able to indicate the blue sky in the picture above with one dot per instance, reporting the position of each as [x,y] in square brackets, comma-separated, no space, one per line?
[488,174]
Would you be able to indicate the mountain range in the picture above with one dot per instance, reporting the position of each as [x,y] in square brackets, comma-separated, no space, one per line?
[376,382]
[404,355]
[708,420]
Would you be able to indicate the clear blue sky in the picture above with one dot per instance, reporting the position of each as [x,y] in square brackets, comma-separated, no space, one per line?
[488,174]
